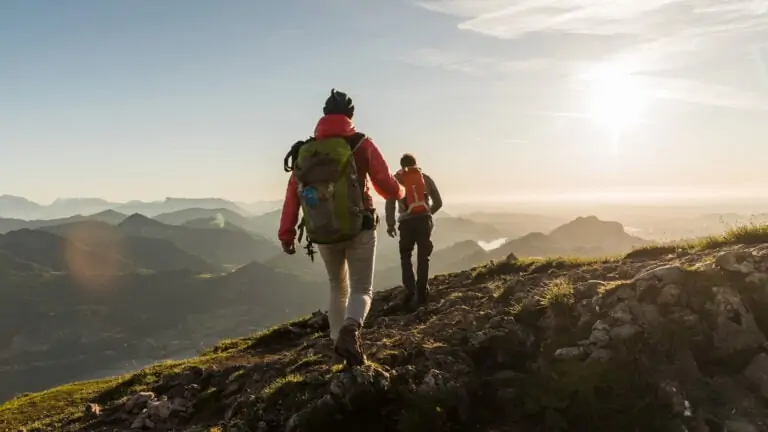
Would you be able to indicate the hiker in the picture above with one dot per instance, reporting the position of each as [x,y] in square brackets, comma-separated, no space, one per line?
[421,201]
[330,183]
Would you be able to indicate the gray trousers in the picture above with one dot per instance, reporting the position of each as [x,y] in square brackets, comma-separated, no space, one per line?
[350,272]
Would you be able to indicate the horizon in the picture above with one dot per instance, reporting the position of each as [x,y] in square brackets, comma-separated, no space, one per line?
[565,100]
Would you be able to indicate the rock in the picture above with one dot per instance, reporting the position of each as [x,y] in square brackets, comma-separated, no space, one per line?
[159,410]
[138,401]
[668,274]
[645,314]
[739,426]
[318,321]
[757,373]
[92,410]
[434,381]
[600,354]
[736,261]
[601,334]
[625,291]
[674,395]
[669,295]
[735,328]
[360,380]
[511,258]
[231,389]
[570,353]
[757,278]
[624,332]
[588,289]
[621,313]
[180,405]
[143,422]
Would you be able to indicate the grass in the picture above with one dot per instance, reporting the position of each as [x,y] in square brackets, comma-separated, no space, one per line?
[276,384]
[537,265]
[748,234]
[557,292]
[54,409]
[231,346]
[51,409]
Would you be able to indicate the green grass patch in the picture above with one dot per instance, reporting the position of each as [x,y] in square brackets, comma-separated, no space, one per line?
[231,346]
[557,292]
[52,409]
[748,234]
[276,384]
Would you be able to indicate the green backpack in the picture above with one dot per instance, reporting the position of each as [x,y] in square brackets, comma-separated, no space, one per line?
[330,190]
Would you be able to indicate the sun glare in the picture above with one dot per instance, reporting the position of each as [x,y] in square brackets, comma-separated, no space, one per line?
[617,101]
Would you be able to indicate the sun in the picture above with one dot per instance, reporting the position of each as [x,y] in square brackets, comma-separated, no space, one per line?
[617,100]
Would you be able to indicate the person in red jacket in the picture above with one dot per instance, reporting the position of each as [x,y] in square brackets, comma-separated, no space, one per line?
[347,311]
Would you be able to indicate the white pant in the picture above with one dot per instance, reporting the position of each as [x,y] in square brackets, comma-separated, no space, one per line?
[350,265]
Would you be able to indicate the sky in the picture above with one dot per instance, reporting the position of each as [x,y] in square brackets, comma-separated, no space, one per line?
[498,100]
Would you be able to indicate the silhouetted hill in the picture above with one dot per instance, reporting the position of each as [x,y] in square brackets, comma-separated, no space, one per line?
[213,222]
[108,216]
[592,232]
[266,224]
[13,207]
[657,340]
[583,236]
[145,253]
[215,245]
[59,254]
[18,207]
[11,266]
[62,330]
[260,207]
[169,205]
[181,217]
[516,224]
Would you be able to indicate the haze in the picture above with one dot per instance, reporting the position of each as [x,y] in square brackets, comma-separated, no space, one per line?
[536,100]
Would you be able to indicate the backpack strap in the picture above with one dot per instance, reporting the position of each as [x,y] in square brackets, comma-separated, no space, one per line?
[355,140]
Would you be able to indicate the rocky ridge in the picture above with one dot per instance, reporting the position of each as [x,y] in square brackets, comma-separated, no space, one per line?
[662,339]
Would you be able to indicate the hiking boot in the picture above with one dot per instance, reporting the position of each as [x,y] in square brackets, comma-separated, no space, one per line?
[407,298]
[422,297]
[348,345]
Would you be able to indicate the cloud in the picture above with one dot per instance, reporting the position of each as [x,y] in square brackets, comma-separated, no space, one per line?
[647,37]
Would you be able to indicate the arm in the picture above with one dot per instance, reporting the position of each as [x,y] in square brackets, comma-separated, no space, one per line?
[389,210]
[290,215]
[434,194]
[383,181]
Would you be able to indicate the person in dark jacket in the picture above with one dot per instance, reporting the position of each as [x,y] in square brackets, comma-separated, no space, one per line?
[422,200]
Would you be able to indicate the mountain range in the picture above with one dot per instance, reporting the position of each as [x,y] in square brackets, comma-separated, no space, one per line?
[22,208]
[87,296]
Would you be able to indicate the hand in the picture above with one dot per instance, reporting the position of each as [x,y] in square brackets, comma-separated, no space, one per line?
[392,231]
[289,248]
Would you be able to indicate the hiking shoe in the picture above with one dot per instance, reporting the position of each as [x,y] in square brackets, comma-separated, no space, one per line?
[422,297]
[348,345]
[407,299]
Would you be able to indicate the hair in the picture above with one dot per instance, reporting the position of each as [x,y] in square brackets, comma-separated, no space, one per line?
[407,161]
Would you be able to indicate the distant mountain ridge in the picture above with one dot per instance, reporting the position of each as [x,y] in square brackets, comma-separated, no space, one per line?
[15,207]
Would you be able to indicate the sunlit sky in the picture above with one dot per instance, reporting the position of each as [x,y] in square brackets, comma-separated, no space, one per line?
[145,99]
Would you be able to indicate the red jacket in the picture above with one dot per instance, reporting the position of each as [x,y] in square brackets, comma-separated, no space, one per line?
[371,166]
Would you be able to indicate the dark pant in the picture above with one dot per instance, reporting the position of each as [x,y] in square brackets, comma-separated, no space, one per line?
[416,232]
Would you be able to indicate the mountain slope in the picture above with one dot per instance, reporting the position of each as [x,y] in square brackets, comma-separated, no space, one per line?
[181,217]
[215,245]
[60,330]
[653,341]
[108,216]
[59,254]
[143,252]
